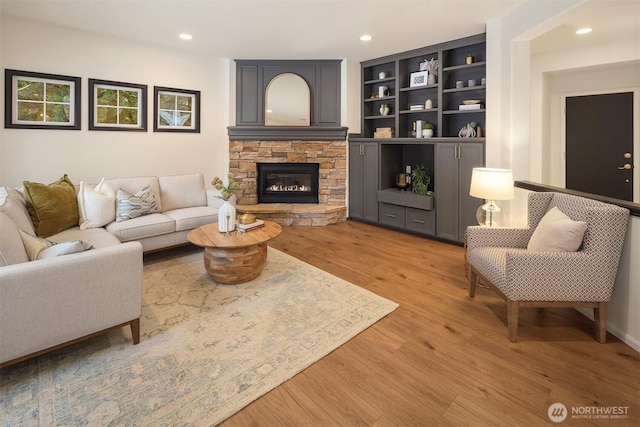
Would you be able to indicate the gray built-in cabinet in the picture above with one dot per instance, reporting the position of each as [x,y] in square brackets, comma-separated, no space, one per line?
[322,76]
[373,194]
[363,179]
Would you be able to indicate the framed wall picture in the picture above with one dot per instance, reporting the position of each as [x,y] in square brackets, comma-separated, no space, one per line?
[176,110]
[41,101]
[117,106]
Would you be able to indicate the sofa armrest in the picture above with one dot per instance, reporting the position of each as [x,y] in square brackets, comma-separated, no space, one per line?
[214,198]
[478,236]
[568,276]
[49,302]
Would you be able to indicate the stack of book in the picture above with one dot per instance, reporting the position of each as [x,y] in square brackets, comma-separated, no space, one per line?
[416,107]
[248,227]
[471,107]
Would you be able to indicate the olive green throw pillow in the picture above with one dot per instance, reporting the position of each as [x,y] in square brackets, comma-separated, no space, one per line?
[52,207]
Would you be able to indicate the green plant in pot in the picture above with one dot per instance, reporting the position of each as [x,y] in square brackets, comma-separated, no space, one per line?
[420,180]
[427,130]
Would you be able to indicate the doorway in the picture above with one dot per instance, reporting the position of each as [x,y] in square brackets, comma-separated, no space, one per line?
[599,144]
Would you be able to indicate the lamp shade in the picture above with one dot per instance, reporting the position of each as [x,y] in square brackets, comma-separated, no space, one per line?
[492,184]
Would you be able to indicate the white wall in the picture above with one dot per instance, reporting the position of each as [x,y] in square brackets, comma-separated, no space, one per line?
[44,155]
[518,86]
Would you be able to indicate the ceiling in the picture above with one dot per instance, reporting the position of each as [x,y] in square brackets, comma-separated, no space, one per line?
[316,29]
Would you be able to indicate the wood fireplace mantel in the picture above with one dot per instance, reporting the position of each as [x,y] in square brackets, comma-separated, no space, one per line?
[287,133]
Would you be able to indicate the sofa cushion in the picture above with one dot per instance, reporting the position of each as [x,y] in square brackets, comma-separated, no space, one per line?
[132,185]
[135,205]
[141,227]
[96,205]
[52,207]
[12,204]
[12,249]
[556,232]
[190,218]
[182,191]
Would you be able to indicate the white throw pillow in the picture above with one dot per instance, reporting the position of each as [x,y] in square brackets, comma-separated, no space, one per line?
[33,244]
[64,248]
[556,232]
[39,248]
[96,205]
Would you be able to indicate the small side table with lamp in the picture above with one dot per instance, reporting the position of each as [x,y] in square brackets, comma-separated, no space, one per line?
[490,184]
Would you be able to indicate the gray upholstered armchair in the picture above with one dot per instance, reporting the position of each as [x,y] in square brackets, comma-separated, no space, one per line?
[580,277]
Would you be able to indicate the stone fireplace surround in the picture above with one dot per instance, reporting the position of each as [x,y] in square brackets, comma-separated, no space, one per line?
[331,156]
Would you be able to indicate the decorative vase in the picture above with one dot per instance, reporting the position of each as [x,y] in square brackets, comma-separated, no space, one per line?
[226,217]
[427,133]
[384,109]
[431,79]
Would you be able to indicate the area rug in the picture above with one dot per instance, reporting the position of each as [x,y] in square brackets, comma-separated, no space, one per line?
[206,350]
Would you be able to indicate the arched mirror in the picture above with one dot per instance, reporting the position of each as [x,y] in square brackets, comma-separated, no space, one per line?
[287,101]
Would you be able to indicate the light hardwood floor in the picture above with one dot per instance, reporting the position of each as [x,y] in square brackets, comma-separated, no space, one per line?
[442,358]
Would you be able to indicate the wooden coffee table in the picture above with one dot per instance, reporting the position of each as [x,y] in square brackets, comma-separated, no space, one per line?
[234,257]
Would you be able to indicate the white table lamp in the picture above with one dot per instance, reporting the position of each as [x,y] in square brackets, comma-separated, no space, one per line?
[491,184]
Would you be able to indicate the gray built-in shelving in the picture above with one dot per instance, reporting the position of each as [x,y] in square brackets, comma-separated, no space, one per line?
[374,162]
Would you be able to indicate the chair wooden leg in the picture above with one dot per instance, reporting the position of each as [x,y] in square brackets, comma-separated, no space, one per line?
[472,283]
[512,320]
[600,319]
[135,330]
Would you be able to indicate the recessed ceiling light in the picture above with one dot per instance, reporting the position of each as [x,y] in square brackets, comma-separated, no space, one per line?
[584,31]
[366,37]
[185,36]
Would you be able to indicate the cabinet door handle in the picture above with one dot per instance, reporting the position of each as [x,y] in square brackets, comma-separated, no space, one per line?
[419,221]
[362,149]
[390,215]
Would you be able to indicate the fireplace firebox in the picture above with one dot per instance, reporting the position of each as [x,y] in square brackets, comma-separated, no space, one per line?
[288,182]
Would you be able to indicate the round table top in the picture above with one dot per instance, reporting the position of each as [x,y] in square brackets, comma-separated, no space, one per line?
[209,236]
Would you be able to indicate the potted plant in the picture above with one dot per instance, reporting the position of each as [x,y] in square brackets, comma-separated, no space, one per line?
[427,130]
[420,180]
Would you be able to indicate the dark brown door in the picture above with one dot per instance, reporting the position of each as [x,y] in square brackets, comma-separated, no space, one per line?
[599,144]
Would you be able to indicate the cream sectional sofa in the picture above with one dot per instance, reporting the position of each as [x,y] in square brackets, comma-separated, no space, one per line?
[48,303]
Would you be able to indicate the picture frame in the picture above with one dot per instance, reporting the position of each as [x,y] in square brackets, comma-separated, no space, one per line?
[36,100]
[419,78]
[117,106]
[176,110]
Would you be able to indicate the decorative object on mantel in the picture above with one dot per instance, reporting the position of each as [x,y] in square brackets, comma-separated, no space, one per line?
[383,133]
[227,212]
[401,181]
[420,180]
[419,78]
[418,128]
[468,130]
[470,104]
[427,130]
[432,68]
[384,109]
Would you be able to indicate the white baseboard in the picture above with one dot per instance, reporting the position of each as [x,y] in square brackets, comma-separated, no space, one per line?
[632,342]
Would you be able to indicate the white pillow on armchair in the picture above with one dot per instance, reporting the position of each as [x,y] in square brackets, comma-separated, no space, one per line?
[556,232]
